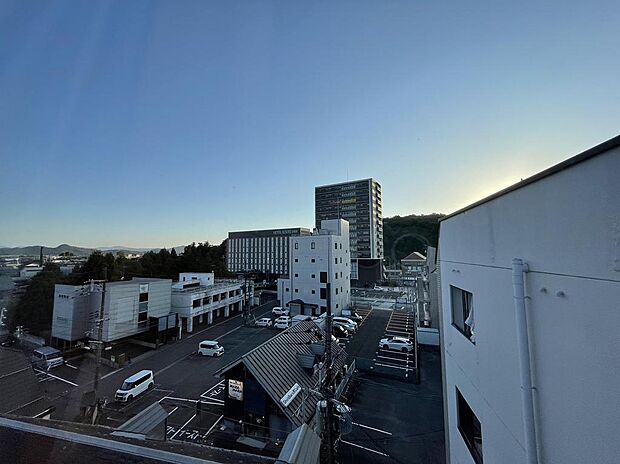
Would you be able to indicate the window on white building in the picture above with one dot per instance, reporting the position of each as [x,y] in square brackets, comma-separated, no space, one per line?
[312,245]
[462,311]
[469,427]
[296,246]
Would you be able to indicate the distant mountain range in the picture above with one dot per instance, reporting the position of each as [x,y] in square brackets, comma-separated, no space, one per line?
[33,250]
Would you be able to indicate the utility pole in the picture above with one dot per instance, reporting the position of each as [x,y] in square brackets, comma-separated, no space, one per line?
[99,345]
[326,387]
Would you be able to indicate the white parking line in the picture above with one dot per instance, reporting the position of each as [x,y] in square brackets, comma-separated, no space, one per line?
[173,398]
[212,403]
[393,367]
[213,426]
[364,448]
[69,365]
[371,428]
[183,426]
[395,359]
[171,412]
[110,373]
[58,378]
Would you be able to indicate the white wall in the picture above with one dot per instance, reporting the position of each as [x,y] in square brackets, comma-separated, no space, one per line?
[205,278]
[567,228]
[331,254]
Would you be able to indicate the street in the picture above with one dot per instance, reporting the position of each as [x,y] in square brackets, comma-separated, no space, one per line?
[181,375]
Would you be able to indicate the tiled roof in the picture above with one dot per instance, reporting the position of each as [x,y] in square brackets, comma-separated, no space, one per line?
[415,256]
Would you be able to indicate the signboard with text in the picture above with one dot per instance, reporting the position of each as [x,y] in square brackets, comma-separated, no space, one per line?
[235,389]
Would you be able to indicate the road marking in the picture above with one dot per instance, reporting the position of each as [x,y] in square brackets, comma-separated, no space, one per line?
[395,359]
[220,383]
[213,426]
[110,373]
[371,428]
[394,367]
[212,403]
[69,365]
[58,378]
[173,398]
[171,412]
[183,426]
[364,448]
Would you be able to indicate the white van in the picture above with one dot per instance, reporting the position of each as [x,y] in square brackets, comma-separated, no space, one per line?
[135,385]
[210,348]
[46,357]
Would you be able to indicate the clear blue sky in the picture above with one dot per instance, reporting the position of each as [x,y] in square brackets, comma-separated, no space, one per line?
[160,123]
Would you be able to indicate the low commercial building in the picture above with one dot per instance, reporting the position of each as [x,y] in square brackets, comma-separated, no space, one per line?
[271,390]
[130,307]
[261,250]
[199,298]
[530,288]
[319,263]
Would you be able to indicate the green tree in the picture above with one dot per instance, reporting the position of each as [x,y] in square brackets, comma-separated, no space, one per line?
[35,308]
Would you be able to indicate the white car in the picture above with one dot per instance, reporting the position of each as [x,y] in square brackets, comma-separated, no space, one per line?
[210,348]
[264,322]
[396,343]
[347,323]
[134,386]
[279,311]
[283,322]
[344,325]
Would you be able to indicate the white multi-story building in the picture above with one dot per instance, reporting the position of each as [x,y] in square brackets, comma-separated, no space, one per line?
[198,296]
[130,307]
[261,250]
[318,260]
[530,289]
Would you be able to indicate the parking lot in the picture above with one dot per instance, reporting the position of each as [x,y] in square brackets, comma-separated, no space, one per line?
[182,378]
[394,419]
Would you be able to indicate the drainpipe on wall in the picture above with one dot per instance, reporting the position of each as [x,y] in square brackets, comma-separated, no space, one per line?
[519,268]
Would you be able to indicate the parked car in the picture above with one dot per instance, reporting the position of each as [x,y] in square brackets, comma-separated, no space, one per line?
[46,357]
[300,318]
[340,331]
[346,322]
[283,322]
[264,322]
[210,348]
[134,386]
[352,315]
[279,311]
[396,343]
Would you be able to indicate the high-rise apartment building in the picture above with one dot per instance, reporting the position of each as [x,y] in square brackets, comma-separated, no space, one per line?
[261,250]
[359,203]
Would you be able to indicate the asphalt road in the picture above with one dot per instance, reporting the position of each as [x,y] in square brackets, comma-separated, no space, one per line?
[178,371]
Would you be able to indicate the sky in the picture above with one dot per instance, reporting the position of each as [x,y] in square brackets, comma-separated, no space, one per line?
[152,124]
